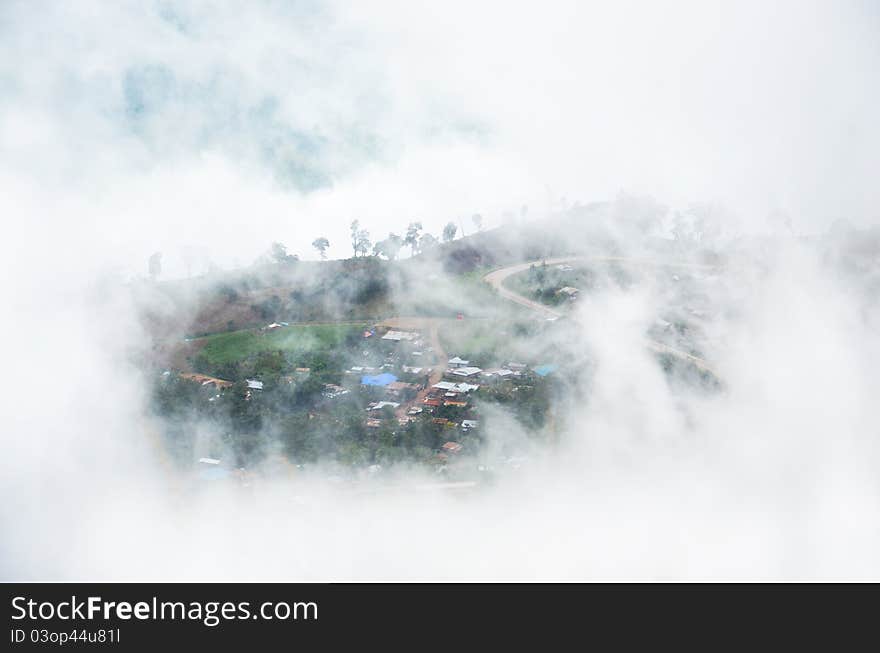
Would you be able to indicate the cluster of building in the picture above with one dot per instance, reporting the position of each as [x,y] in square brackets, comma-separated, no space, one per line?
[404,381]
[409,384]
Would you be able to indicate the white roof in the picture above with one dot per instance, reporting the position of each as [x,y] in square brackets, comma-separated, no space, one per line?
[458,361]
[455,387]
[412,370]
[382,404]
[400,335]
[209,461]
[467,371]
[254,385]
[469,423]
[502,372]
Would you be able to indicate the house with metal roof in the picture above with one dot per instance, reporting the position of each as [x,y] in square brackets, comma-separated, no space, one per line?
[397,336]
[466,371]
[381,380]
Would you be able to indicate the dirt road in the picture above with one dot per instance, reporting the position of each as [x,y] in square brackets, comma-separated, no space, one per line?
[496,280]
[432,326]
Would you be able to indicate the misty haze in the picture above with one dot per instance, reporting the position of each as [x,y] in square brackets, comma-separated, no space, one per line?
[328,291]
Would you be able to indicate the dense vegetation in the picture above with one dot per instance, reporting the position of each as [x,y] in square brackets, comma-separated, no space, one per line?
[544,283]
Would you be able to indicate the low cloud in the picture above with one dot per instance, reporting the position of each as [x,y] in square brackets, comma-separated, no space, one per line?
[208,133]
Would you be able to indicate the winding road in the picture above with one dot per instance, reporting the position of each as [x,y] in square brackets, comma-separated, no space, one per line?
[496,279]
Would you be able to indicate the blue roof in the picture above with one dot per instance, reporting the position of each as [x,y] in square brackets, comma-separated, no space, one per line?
[378,379]
[544,370]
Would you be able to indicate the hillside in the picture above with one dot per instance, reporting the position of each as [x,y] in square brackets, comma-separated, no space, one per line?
[443,281]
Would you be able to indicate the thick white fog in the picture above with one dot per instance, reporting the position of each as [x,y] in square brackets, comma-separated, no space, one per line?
[209,131]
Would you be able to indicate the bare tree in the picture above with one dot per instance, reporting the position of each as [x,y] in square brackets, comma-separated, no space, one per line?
[355,229]
[363,242]
[360,239]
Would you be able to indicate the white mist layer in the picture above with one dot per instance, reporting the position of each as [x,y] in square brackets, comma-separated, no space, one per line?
[775,477]
[477,111]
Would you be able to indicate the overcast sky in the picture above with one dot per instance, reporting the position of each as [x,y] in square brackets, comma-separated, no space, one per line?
[211,129]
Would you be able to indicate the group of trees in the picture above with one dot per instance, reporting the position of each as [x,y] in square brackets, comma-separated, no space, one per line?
[415,238]
[361,245]
[692,228]
[278,254]
[360,239]
[389,248]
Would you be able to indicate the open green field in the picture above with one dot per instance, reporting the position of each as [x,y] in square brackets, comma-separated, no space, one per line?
[235,346]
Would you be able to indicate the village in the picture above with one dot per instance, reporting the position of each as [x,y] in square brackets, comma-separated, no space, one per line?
[402,389]
[417,379]
[404,383]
